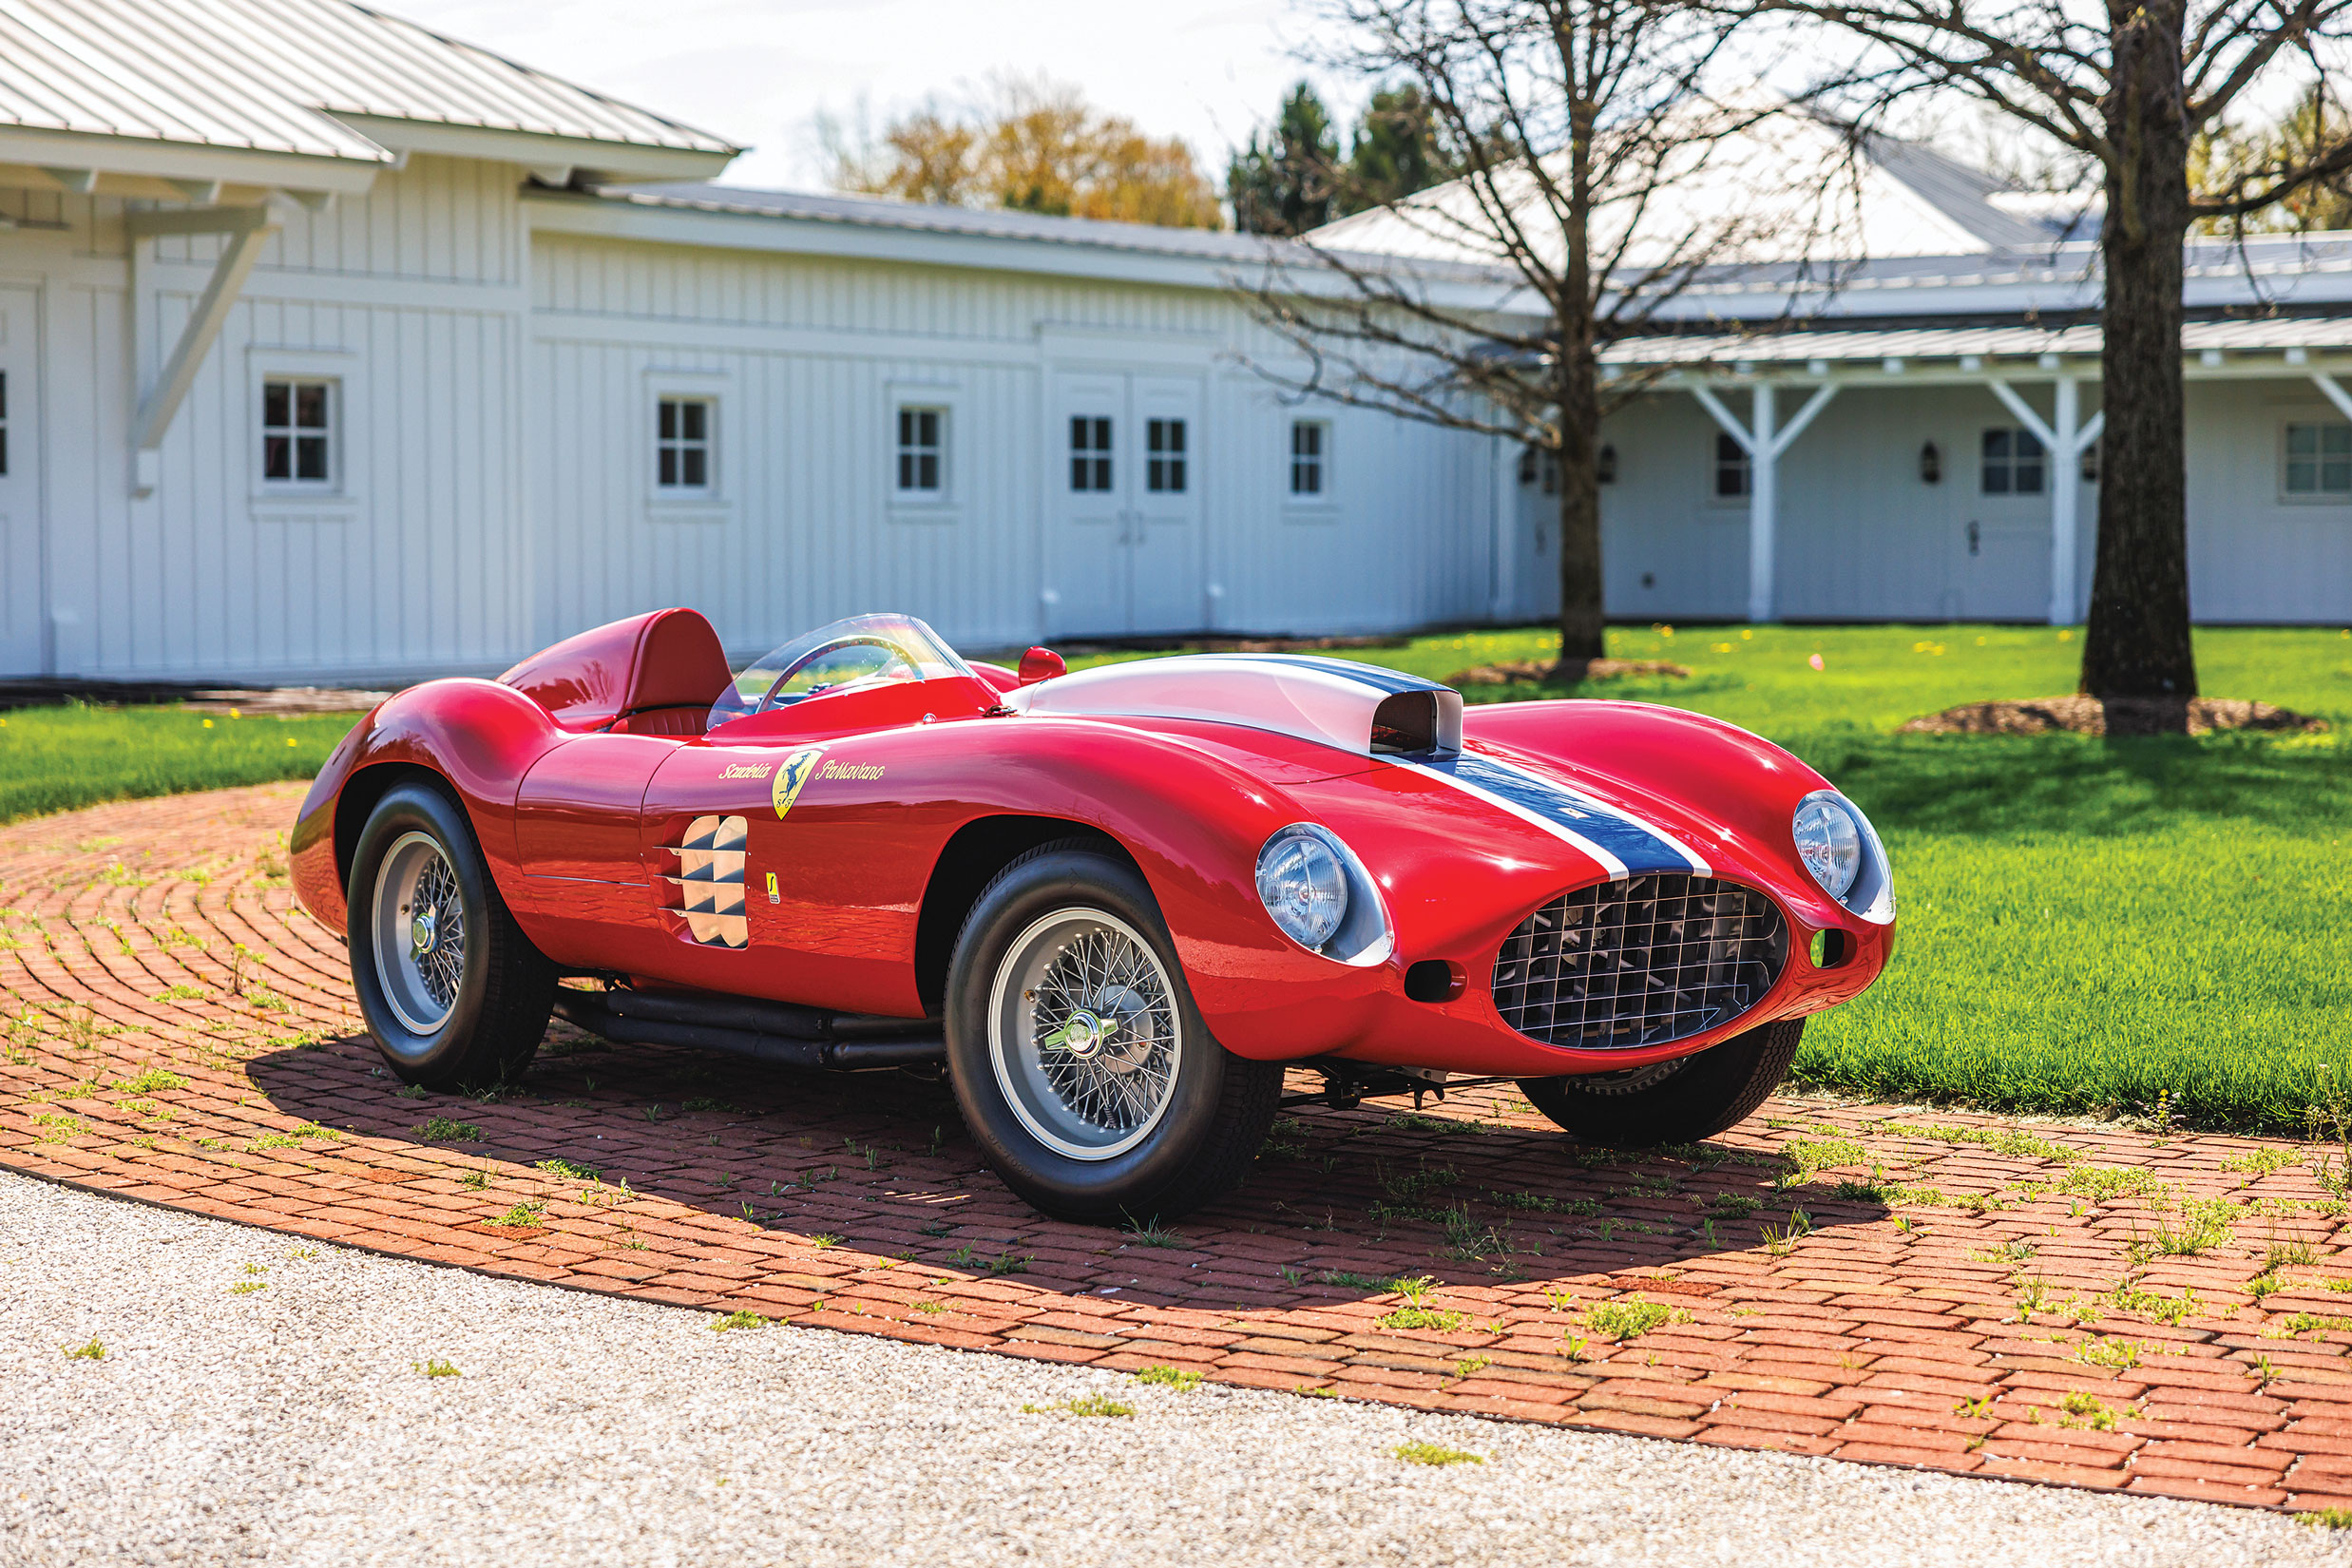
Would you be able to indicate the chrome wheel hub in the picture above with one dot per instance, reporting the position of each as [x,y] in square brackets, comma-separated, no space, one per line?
[1084,1035]
[419,918]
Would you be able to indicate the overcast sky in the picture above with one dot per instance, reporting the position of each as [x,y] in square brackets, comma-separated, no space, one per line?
[758,72]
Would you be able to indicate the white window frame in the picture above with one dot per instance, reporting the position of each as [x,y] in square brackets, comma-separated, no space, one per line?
[1168,462]
[906,455]
[2312,420]
[340,494]
[1325,470]
[678,441]
[2017,432]
[1724,451]
[942,505]
[713,502]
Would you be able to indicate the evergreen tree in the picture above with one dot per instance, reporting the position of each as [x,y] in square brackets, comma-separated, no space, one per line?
[1394,153]
[1283,183]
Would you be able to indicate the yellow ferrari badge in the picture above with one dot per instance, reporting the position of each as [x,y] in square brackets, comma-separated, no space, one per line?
[795,772]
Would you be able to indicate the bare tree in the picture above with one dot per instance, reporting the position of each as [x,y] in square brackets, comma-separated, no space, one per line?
[2130,85]
[1581,144]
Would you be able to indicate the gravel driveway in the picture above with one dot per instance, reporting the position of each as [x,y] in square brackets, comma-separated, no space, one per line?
[291,1423]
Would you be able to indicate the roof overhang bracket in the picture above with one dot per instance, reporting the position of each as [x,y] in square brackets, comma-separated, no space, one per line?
[248,229]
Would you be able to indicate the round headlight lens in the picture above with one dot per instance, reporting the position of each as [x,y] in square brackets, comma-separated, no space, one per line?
[1828,841]
[1303,886]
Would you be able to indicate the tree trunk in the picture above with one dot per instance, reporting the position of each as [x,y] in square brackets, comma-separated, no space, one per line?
[1583,628]
[2137,643]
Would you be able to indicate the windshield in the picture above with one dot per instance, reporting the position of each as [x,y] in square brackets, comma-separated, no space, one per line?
[861,650]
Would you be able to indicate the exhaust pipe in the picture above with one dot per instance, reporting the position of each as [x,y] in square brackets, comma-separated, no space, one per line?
[774,1032]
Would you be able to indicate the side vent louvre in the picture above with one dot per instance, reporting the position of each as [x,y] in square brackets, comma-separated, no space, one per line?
[708,887]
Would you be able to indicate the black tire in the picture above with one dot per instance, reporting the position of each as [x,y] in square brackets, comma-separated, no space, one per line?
[1720,1087]
[498,988]
[1213,1108]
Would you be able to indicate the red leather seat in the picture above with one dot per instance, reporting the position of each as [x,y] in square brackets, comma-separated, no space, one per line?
[652,674]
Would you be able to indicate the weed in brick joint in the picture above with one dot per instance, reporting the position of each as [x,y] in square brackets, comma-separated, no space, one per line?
[528,1213]
[1440,1320]
[1182,1379]
[2084,1409]
[441,1129]
[1629,1317]
[1151,1233]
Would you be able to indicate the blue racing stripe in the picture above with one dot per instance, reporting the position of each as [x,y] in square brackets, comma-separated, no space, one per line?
[1641,846]
[1391,681]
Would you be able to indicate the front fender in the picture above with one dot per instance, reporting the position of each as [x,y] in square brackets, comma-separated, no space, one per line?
[1728,793]
[477,736]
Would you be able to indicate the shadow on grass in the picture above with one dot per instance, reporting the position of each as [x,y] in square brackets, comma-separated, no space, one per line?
[2008,786]
[1339,1207]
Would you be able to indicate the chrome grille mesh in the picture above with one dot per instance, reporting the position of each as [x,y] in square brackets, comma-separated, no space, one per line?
[1640,962]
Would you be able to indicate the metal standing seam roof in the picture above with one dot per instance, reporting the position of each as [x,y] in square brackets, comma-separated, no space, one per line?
[985,222]
[269,75]
[1931,343]
[1237,250]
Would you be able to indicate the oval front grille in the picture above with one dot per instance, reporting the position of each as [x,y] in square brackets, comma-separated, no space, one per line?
[1640,962]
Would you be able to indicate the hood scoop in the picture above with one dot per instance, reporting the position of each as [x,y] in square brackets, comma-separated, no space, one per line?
[1359,708]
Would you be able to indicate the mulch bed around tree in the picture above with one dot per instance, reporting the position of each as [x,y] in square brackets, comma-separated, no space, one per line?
[1514,671]
[2081,715]
[2093,1306]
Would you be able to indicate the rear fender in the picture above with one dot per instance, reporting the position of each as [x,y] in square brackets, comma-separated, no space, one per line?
[477,736]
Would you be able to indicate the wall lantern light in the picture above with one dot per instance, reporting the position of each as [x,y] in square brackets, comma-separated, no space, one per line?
[1605,465]
[1931,465]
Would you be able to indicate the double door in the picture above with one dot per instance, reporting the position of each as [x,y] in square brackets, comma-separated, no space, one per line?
[21,643]
[1124,472]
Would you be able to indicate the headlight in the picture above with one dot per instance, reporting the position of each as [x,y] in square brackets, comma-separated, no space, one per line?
[1303,883]
[1830,832]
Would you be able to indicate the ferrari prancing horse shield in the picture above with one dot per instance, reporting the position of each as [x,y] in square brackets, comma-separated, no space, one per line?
[793,773]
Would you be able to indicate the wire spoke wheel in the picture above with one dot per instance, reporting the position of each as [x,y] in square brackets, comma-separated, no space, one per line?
[419,917]
[1084,1034]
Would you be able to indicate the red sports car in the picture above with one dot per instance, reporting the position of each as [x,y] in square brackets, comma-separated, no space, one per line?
[1116,905]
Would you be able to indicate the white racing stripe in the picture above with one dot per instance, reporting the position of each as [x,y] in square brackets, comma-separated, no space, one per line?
[1607,861]
[1620,842]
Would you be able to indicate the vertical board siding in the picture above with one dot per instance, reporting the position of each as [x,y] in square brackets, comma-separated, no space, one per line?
[412,576]
[809,531]
[2253,554]
[416,572]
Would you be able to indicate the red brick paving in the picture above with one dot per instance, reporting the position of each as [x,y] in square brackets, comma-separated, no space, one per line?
[2020,1319]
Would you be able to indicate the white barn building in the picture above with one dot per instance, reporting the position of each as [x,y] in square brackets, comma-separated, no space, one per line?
[333,349]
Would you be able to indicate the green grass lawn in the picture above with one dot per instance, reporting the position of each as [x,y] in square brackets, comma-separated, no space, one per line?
[53,759]
[2088,927]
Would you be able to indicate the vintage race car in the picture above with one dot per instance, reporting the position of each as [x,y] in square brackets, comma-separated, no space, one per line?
[1115,905]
